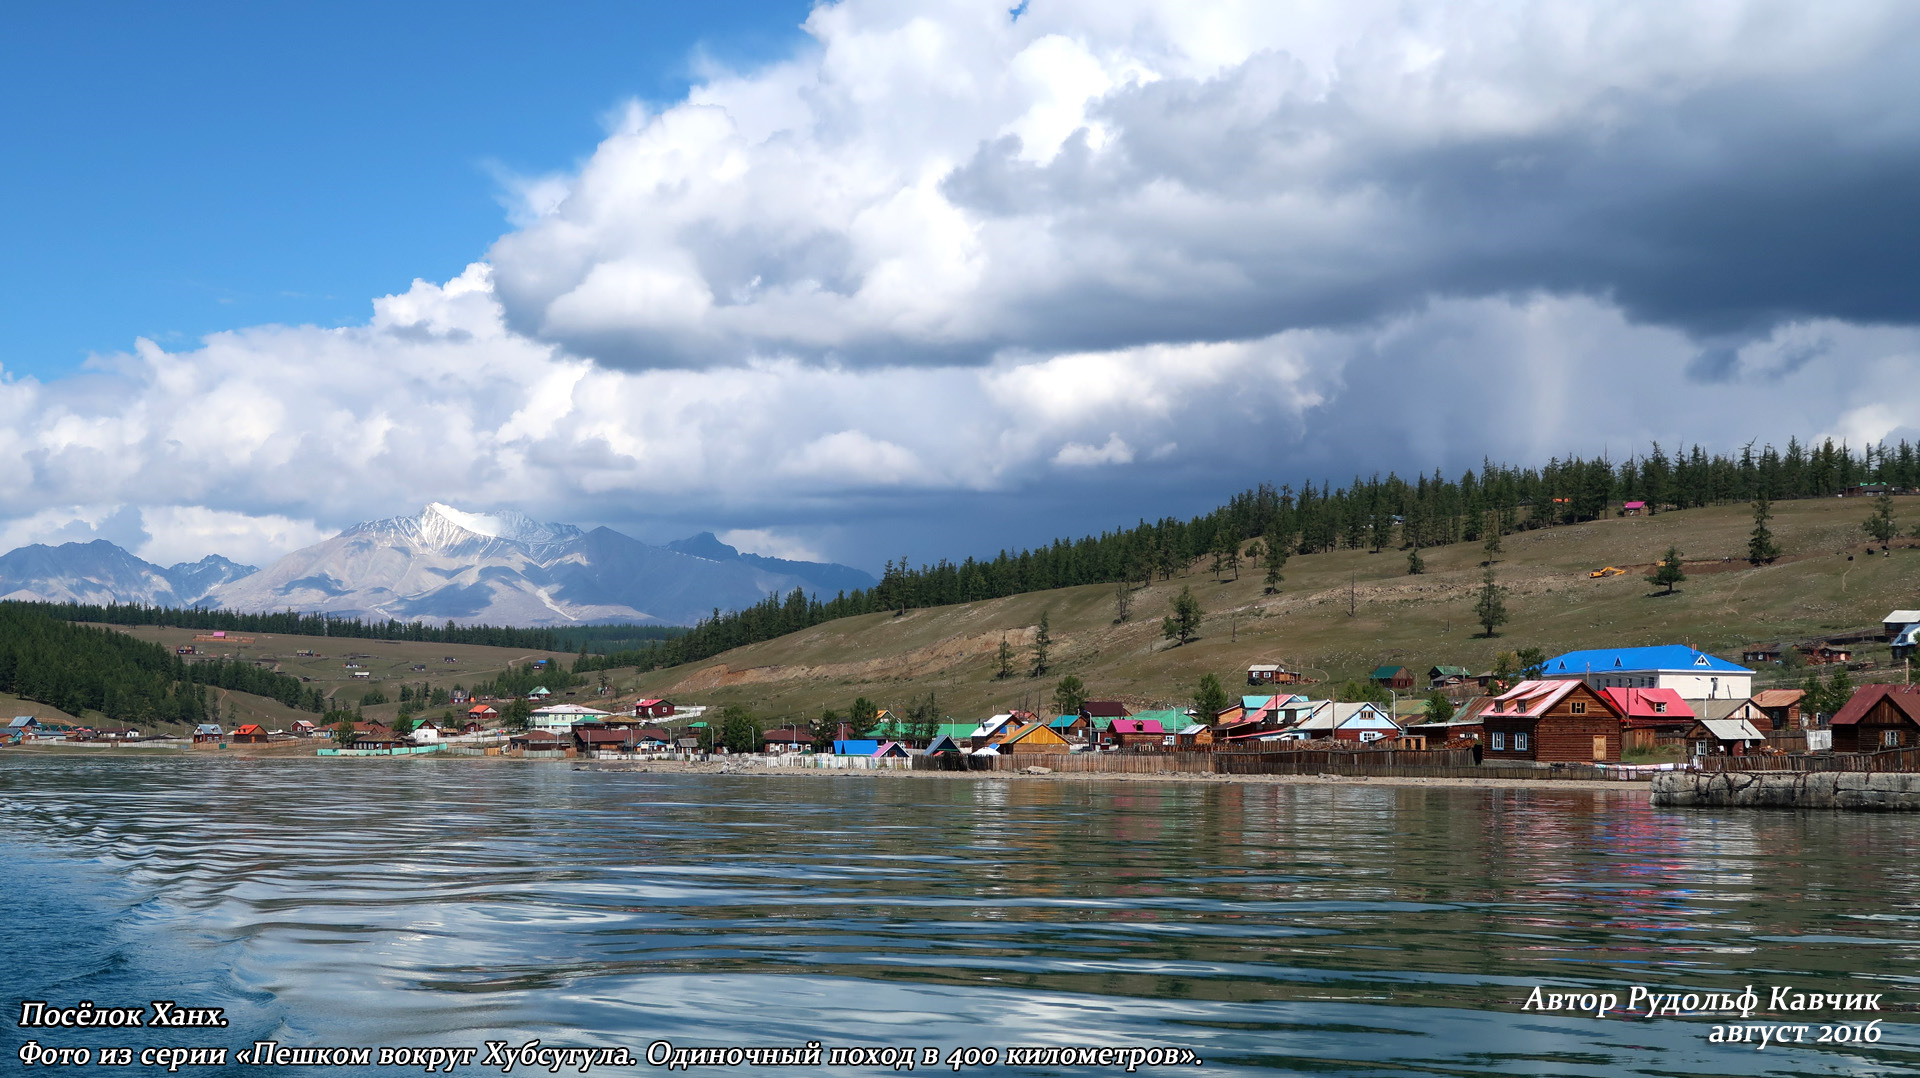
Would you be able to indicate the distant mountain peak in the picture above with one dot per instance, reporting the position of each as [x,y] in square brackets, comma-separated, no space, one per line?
[506,524]
[705,545]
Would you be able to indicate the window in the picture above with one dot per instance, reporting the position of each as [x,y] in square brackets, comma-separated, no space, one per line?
[1578,707]
[1519,742]
[1660,707]
[1370,735]
[1499,741]
[1890,737]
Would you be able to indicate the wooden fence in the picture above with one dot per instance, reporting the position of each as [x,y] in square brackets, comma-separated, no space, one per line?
[1380,763]
[1888,760]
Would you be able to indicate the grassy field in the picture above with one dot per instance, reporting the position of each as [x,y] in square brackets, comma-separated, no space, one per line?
[1340,614]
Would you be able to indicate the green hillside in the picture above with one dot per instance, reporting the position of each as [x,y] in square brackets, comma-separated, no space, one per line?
[1340,613]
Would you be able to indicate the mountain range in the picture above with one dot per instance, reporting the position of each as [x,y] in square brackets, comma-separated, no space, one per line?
[443,564]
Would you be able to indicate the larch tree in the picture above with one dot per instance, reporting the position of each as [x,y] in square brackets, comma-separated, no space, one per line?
[1490,610]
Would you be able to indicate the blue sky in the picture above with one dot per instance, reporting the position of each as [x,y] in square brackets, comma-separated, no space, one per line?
[177,169]
[916,276]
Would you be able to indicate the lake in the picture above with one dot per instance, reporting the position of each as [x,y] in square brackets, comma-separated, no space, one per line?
[1324,929]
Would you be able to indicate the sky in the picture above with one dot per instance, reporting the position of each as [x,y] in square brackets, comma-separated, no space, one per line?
[877,278]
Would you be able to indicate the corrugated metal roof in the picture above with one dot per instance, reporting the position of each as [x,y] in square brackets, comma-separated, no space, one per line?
[1732,730]
[1665,658]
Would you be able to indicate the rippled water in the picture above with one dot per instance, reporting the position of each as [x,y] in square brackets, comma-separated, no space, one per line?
[1349,929]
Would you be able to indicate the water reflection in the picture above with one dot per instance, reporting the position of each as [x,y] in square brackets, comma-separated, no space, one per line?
[1301,927]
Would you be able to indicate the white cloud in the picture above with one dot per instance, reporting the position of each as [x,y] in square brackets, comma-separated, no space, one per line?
[941,252]
[771,544]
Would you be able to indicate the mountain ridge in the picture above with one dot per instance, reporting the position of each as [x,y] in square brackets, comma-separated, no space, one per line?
[442,564]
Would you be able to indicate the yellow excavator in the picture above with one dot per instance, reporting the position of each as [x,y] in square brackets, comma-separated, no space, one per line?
[1608,571]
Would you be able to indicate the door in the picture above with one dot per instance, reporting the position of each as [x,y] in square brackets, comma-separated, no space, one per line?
[1600,746]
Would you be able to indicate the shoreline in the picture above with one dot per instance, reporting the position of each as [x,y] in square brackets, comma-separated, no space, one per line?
[287,751]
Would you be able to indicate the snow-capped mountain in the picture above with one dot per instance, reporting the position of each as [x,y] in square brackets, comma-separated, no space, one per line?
[100,572]
[508,569]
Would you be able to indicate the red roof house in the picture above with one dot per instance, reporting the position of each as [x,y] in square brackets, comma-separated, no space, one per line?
[251,733]
[1649,715]
[1562,721]
[1878,717]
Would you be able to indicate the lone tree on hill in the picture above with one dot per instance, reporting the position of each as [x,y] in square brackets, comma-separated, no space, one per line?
[1069,695]
[1276,561]
[1761,549]
[1415,564]
[1492,545]
[1490,610]
[1233,555]
[1880,526]
[1122,600]
[1003,660]
[1042,643]
[1184,623]
[1669,573]
[1209,700]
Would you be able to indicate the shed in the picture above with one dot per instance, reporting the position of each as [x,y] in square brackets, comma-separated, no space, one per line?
[1633,509]
[892,750]
[250,734]
[653,708]
[1722,737]
[1270,674]
[1781,706]
[943,745]
[856,746]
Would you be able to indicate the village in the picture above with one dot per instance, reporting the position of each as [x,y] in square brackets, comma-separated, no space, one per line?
[1629,711]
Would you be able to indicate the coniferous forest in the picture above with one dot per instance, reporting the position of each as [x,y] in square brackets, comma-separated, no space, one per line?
[77,668]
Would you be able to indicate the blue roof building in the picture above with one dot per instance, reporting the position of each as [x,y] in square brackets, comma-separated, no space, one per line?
[1692,673]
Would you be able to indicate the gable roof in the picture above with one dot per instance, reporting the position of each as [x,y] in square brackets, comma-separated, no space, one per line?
[1530,698]
[1038,730]
[1449,671]
[1732,730]
[1138,726]
[1666,658]
[251,728]
[1104,709]
[1778,697]
[1901,617]
[1383,673]
[1905,699]
[1640,704]
[942,743]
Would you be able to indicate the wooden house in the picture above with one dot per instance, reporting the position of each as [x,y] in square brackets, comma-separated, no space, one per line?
[1447,677]
[1552,722]
[1633,509]
[208,731]
[1338,721]
[1140,734]
[481,713]
[653,709]
[1898,622]
[1196,737]
[785,739]
[251,733]
[303,728]
[1878,717]
[1781,707]
[1104,709]
[540,692]
[1397,678]
[372,735]
[1074,728]
[595,737]
[1825,654]
[1033,737]
[1270,674]
[1769,653]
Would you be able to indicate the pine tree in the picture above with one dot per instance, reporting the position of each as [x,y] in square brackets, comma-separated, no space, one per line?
[1490,610]
[1184,623]
[1668,572]
[1880,526]
[1492,545]
[1415,564]
[1069,695]
[1276,561]
[1122,600]
[1209,699]
[862,717]
[1042,643]
[1003,660]
[1233,557]
[1761,549]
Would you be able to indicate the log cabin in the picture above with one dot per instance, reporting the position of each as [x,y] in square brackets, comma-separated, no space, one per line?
[1552,722]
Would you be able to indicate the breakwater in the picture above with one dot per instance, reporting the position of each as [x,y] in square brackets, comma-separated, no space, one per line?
[1865,791]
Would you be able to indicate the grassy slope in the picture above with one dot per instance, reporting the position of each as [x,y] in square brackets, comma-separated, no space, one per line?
[1414,620]
[390,663]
